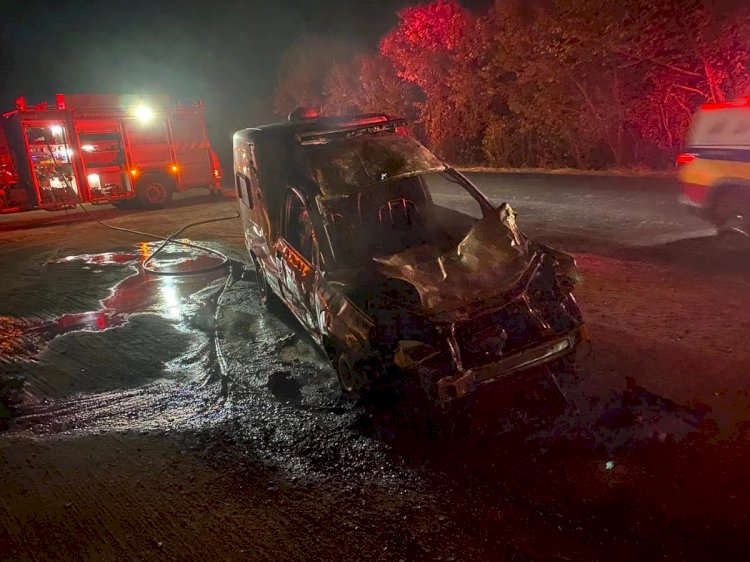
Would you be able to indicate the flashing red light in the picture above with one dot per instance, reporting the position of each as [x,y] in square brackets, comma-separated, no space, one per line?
[685,158]
[742,102]
[375,119]
[174,168]
[216,173]
[301,113]
[133,172]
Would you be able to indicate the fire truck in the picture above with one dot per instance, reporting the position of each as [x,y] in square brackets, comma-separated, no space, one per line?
[124,150]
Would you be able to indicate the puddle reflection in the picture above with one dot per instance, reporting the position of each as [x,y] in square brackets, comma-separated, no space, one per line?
[137,293]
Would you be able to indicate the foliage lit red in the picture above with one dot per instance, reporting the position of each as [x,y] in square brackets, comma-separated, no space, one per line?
[581,83]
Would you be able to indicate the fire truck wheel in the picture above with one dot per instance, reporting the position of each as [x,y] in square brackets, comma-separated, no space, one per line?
[153,191]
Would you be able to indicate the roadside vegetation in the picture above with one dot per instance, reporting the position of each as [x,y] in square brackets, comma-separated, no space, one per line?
[585,84]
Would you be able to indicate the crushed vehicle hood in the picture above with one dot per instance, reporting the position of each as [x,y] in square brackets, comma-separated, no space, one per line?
[490,260]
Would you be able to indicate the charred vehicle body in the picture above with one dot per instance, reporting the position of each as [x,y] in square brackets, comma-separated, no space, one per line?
[395,263]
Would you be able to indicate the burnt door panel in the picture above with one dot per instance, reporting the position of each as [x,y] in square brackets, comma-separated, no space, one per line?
[296,250]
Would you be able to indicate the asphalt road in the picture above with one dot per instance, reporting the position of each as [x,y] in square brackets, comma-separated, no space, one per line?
[612,210]
[148,431]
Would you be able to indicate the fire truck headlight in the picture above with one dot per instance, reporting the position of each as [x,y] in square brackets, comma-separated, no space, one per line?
[144,114]
[56,129]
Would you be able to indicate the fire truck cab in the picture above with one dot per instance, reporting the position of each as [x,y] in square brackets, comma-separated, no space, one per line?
[122,150]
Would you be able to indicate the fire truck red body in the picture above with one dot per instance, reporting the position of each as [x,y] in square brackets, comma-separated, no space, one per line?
[123,150]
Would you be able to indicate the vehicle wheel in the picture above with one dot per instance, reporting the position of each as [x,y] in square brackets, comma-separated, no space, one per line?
[731,212]
[153,191]
[354,379]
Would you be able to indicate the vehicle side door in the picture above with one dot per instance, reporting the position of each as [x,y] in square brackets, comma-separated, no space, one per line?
[297,253]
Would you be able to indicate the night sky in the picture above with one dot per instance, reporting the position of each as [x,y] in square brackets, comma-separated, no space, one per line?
[223,52]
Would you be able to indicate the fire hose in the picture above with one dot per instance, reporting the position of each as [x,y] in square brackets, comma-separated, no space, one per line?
[171,239]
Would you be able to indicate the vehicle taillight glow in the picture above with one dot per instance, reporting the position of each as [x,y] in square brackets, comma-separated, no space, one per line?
[133,172]
[174,168]
[216,173]
[685,158]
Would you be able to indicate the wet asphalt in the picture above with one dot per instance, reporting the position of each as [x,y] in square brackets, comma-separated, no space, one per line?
[622,470]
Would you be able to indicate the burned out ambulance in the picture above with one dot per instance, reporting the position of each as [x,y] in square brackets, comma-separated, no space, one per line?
[395,263]
[103,149]
[714,170]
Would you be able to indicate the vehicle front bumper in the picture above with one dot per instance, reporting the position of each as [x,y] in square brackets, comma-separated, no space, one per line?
[460,385]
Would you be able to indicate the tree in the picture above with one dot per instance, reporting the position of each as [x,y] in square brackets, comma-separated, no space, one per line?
[382,90]
[689,52]
[368,83]
[342,90]
[593,79]
[582,83]
[304,69]
[432,47]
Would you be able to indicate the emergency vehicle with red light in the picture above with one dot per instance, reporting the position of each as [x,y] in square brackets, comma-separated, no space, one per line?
[714,170]
[123,150]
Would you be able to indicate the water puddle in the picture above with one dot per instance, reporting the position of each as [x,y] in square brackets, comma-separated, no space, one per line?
[131,325]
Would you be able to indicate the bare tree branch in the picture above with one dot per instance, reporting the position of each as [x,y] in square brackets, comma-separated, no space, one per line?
[661,64]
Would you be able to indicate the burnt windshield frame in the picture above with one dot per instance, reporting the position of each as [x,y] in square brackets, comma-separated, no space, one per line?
[484,202]
[326,163]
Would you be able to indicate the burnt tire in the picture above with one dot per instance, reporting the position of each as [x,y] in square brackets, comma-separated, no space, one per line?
[153,191]
[355,379]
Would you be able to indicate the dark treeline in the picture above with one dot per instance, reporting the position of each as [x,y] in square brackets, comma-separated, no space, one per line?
[555,83]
